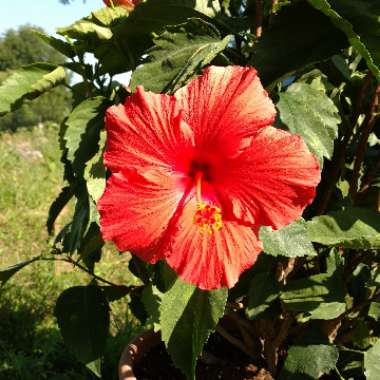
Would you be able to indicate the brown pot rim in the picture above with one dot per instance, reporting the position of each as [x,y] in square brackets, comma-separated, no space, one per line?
[134,352]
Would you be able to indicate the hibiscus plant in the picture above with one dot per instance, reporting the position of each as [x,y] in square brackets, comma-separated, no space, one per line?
[239,170]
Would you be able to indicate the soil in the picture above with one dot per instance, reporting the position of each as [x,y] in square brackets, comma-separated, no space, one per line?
[221,361]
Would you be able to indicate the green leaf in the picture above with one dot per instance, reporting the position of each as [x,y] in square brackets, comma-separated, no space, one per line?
[151,298]
[350,364]
[361,334]
[135,33]
[95,172]
[298,37]
[374,311]
[160,13]
[118,39]
[83,317]
[114,60]
[7,273]
[210,8]
[95,367]
[86,27]
[350,228]
[178,54]
[82,133]
[141,269]
[95,34]
[187,317]
[137,306]
[313,360]
[263,290]
[164,276]
[70,238]
[115,293]
[360,21]
[28,83]
[311,114]
[225,4]
[91,245]
[106,16]
[321,296]
[289,241]
[372,362]
[57,206]
[63,47]
[375,277]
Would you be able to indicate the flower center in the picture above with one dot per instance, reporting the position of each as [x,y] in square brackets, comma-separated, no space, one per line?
[200,168]
[208,217]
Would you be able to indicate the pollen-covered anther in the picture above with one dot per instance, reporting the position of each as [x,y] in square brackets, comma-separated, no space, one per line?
[208,218]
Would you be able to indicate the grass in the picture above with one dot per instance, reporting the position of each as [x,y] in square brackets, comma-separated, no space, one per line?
[31,346]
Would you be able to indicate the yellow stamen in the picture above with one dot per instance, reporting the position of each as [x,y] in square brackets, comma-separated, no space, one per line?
[207,217]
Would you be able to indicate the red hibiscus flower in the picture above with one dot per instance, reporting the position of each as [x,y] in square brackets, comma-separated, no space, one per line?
[194,175]
[126,3]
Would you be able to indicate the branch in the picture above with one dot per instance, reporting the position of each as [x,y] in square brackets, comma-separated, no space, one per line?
[361,148]
[339,156]
[371,174]
[234,341]
[330,328]
[259,18]
[271,349]
[245,329]
[273,11]
[96,277]
[284,270]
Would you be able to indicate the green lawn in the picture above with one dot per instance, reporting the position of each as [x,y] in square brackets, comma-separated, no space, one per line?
[30,343]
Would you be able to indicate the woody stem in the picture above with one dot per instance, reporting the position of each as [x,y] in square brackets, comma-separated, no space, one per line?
[234,341]
[360,150]
[259,19]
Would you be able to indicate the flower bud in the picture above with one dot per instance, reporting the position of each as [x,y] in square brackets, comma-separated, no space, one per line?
[125,3]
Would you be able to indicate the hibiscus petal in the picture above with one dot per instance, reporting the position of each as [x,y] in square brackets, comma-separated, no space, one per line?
[136,209]
[146,130]
[225,102]
[211,261]
[271,182]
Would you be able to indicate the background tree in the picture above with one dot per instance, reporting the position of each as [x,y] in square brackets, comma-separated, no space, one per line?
[22,47]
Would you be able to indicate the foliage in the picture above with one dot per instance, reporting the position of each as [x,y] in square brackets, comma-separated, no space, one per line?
[23,47]
[30,340]
[307,112]
[194,45]
[298,361]
[83,317]
[313,294]
[197,310]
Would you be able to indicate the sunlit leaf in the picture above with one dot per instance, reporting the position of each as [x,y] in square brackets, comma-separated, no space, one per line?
[313,360]
[188,314]
[321,296]
[352,228]
[83,130]
[289,241]
[311,114]
[28,83]
[178,54]
[372,362]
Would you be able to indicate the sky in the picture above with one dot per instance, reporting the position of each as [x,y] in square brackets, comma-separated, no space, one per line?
[48,14]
